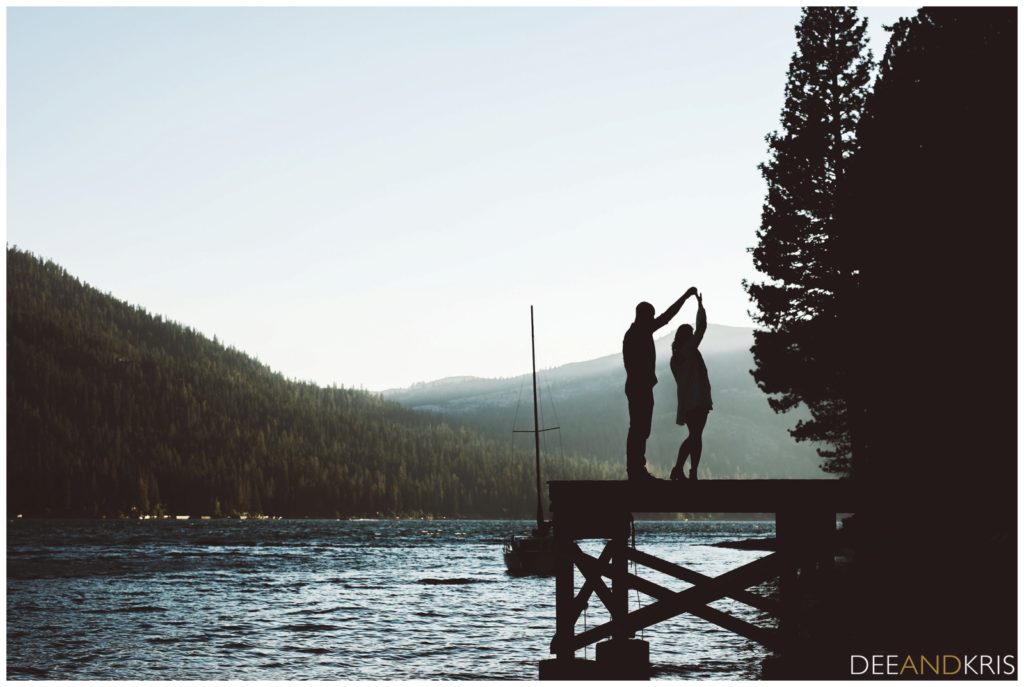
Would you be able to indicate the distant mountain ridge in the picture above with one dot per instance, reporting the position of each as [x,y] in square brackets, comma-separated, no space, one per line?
[718,339]
[744,437]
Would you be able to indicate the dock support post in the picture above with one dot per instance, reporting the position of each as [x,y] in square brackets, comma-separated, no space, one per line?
[622,657]
[620,588]
[564,591]
[827,543]
[806,542]
[565,665]
[788,537]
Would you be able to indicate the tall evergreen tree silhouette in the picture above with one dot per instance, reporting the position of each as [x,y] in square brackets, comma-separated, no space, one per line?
[929,208]
[800,353]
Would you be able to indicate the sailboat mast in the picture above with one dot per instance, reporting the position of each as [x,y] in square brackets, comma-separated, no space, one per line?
[536,422]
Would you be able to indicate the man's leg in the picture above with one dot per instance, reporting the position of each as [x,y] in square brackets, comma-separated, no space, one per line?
[641,408]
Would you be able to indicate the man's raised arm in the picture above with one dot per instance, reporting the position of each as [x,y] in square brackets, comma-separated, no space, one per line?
[664,318]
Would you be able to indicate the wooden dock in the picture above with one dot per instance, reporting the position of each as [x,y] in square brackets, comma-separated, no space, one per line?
[805,513]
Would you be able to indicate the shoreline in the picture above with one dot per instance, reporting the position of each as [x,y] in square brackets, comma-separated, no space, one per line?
[355,518]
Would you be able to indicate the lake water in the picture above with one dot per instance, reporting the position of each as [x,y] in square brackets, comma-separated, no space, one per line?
[326,600]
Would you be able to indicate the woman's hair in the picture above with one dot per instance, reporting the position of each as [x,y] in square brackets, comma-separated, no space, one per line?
[683,334]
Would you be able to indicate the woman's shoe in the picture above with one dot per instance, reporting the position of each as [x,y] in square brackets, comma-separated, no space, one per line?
[677,473]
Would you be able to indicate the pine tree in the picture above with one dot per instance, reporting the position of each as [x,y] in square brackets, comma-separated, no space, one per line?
[932,198]
[799,353]
[931,202]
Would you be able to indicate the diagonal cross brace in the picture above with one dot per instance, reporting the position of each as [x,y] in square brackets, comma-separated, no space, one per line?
[588,565]
[590,585]
[763,636]
[678,603]
[694,577]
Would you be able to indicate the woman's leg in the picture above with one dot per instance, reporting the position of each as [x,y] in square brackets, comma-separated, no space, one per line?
[684,451]
[695,424]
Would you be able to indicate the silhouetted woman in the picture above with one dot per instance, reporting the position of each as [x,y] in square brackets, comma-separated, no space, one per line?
[692,389]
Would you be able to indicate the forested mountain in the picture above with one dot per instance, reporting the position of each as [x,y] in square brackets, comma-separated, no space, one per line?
[113,410]
[744,438]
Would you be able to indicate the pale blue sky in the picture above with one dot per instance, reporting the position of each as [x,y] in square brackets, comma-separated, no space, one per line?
[374,197]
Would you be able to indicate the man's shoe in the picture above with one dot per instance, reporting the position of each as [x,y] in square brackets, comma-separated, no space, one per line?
[641,475]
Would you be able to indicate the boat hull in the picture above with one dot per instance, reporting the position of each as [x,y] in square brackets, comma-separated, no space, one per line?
[530,556]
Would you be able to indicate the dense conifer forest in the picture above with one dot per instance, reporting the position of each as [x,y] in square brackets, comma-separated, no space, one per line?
[112,410]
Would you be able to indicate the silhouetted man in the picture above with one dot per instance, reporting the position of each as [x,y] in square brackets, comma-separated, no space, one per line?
[638,356]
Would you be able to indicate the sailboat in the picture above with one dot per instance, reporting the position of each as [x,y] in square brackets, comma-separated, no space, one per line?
[533,554]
